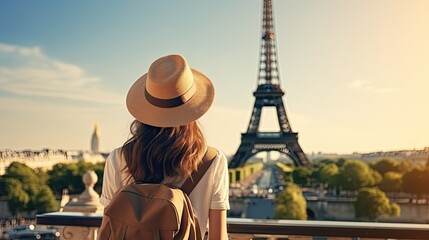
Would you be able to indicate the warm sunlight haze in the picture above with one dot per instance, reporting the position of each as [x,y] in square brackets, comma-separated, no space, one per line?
[355,73]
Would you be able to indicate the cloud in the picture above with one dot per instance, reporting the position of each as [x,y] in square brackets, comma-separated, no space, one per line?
[369,87]
[28,71]
[359,84]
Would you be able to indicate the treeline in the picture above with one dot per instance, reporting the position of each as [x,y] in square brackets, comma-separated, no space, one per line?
[370,184]
[389,175]
[34,190]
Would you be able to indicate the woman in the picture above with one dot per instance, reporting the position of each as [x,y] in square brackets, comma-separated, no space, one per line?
[167,144]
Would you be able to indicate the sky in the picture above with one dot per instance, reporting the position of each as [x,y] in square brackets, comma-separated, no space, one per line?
[355,73]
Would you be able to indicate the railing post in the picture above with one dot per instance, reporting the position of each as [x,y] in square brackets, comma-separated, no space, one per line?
[87,202]
[74,233]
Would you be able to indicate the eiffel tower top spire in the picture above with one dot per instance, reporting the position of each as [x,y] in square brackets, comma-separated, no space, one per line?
[268,67]
[268,92]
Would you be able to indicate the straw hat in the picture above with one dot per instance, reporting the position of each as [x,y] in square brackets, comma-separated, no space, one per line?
[170,94]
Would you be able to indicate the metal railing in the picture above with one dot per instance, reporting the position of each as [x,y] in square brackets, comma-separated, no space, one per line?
[241,228]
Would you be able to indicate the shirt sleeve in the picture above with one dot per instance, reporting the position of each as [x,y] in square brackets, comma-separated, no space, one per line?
[220,197]
[111,178]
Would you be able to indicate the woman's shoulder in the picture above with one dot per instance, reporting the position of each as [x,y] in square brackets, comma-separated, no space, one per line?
[115,156]
[220,158]
[115,153]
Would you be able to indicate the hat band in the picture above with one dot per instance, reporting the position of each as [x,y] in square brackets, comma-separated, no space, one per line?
[172,102]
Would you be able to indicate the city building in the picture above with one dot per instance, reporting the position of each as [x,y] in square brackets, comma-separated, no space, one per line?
[95,140]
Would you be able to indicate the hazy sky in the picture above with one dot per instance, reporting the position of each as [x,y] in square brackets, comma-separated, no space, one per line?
[355,73]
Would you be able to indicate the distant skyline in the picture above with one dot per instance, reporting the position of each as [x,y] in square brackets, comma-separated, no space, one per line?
[355,73]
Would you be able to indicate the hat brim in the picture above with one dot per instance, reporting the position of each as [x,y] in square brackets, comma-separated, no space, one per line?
[189,111]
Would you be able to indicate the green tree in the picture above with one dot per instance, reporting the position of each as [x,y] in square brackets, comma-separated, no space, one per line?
[385,165]
[44,200]
[99,170]
[65,176]
[17,198]
[406,166]
[392,182]
[327,173]
[291,204]
[69,176]
[302,176]
[41,174]
[326,161]
[415,182]
[372,203]
[2,186]
[341,161]
[29,180]
[355,174]
[26,191]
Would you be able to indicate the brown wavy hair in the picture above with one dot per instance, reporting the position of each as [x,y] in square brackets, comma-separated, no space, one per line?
[153,153]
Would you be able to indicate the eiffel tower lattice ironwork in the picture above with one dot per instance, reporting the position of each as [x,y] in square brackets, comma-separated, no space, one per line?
[268,94]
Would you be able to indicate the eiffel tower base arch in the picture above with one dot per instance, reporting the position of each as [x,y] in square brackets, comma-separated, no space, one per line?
[283,142]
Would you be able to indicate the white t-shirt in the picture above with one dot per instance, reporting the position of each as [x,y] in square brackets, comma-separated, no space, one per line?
[212,192]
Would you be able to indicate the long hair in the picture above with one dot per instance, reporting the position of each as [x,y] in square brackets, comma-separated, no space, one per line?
[153,153]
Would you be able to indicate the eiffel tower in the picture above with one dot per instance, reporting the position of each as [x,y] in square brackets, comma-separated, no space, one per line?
[269,94]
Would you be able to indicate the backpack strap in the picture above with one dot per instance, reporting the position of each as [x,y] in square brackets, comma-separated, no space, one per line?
[196,176]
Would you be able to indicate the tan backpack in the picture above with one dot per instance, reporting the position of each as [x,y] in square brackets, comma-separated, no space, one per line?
[154,211]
